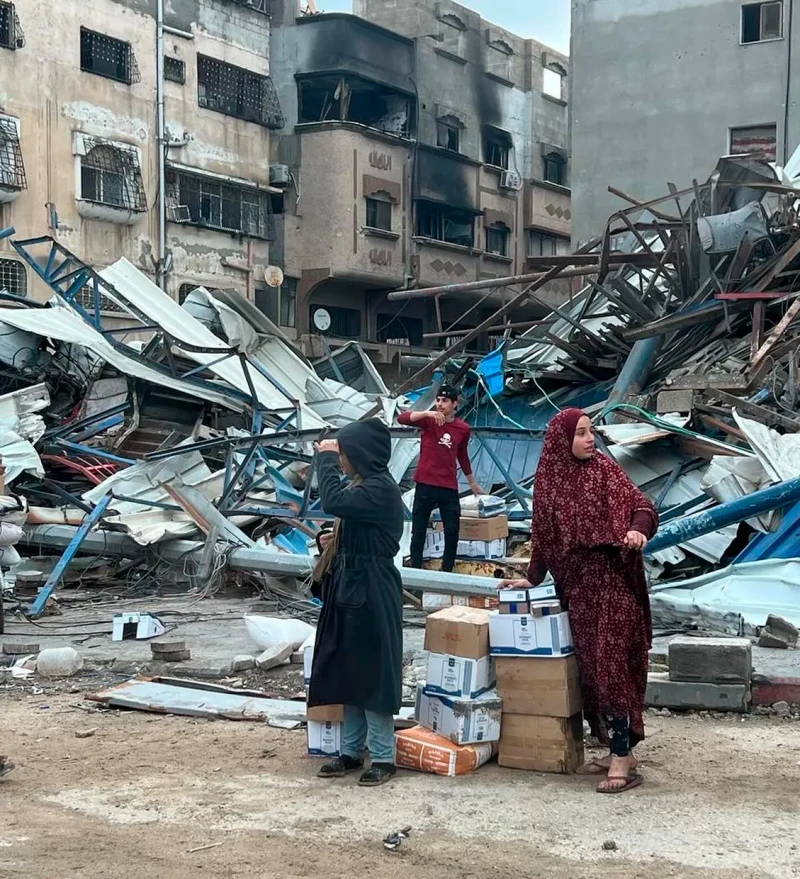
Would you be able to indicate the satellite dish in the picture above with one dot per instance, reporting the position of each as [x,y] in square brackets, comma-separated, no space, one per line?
[273,275]
[322,320]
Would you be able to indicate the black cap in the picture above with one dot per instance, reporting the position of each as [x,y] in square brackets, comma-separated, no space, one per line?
[451,392]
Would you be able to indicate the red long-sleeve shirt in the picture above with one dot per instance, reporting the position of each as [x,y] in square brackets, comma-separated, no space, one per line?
[440,448]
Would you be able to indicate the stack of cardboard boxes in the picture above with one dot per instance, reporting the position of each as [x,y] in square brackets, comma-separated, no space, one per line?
[458,701]
[538,682]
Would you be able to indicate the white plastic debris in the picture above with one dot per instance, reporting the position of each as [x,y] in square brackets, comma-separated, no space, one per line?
[268,631]
[59,662]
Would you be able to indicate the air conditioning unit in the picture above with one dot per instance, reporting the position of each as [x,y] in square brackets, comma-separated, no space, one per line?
[179,213]
[279,175]
[511,180]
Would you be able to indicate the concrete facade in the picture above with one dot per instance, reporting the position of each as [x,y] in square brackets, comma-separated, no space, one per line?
[62,111]
[659,85]
[469,81]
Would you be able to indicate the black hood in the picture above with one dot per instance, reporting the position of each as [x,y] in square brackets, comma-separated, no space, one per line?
[368,446]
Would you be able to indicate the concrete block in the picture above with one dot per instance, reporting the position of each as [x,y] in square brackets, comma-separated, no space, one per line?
[711,660]
[20,648]
[698,696]
[778,633]
[173,656]
[159,647]
[273,656]
[298,657]
[242,663]
[209,672]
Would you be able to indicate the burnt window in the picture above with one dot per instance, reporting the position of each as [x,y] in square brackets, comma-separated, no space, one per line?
[11,36]
[397,329]
[111,175]
[755,139]
[496,147]
[184,290]
[379,214]
[107,56]
[443,223]
[543,244]
[554,169]
[497,237]
[333,320]
[448,135]
[276,203]
[238,92]
[352,99]
[174,70]
[12,168]
[203,201]
[762,21]
[267,301]
[288,307]
[13,277]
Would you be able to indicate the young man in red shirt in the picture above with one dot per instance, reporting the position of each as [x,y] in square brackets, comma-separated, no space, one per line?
[444,441]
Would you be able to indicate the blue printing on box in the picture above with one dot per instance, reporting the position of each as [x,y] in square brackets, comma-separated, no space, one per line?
[441,693]
[450,704]
[518,607]
[540,651]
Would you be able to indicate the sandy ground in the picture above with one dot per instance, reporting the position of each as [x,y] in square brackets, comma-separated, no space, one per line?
[720,799]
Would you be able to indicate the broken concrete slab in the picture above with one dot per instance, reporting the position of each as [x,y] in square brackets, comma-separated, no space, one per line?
[20,648]
[778,633]
[173,656]
[711,660]
[242,662]
[274,656]
[160,647]
[695,696]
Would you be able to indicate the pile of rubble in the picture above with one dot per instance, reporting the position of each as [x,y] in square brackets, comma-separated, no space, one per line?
[152,447]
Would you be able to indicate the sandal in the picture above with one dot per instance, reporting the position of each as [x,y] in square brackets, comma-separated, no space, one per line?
[378,774]
[5,767]
[631,781]
[597,766]
[340,767]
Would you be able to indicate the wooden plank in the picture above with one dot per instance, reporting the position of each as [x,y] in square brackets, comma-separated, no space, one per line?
[759,413]
[759,311]
[757,361]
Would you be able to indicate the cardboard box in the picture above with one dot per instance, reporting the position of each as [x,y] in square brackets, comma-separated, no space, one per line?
[462,721]
[483,529]
[545,608]
[513,596]
[324,739]
[515,608]
[437,600]
[476,568]
[526,635]
[542,593]
[458,631]
[308,661]
[542,744]
[434,545]
[459,678]
[539,686]
[136,625]
[325,713]
[425,751]
[481,549]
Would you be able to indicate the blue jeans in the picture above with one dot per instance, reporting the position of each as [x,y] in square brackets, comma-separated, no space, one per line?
[359,725]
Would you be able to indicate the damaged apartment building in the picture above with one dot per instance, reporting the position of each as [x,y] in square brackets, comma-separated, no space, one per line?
[82,147]
[423,146]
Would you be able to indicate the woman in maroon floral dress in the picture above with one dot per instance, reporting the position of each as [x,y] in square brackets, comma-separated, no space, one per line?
[590,524]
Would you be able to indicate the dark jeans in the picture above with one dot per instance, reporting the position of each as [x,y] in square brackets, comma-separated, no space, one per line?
[427,498]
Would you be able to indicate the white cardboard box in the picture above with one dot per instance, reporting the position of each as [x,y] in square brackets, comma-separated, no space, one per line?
[462,721]
[482,549]
[526,635]
[138,625]
[542,593]
[308,659]
[434,545]
[324,739]
[458,677]
[512,596]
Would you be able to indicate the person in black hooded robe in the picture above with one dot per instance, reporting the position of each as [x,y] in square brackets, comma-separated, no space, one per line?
[358,654]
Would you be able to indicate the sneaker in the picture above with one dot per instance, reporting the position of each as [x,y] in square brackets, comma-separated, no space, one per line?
[340,767]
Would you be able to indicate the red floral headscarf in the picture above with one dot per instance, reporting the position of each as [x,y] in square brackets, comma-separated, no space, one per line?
[579,504]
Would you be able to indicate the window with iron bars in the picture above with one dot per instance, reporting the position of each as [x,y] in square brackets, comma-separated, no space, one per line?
[11,36]
[174,70]
[109,57]
[257,5]
[238,92]
[85,298]
[111,175]
[12,168]
[202,201]
[13,277]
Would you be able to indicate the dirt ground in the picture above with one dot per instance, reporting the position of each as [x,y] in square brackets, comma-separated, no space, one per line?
[720,799]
